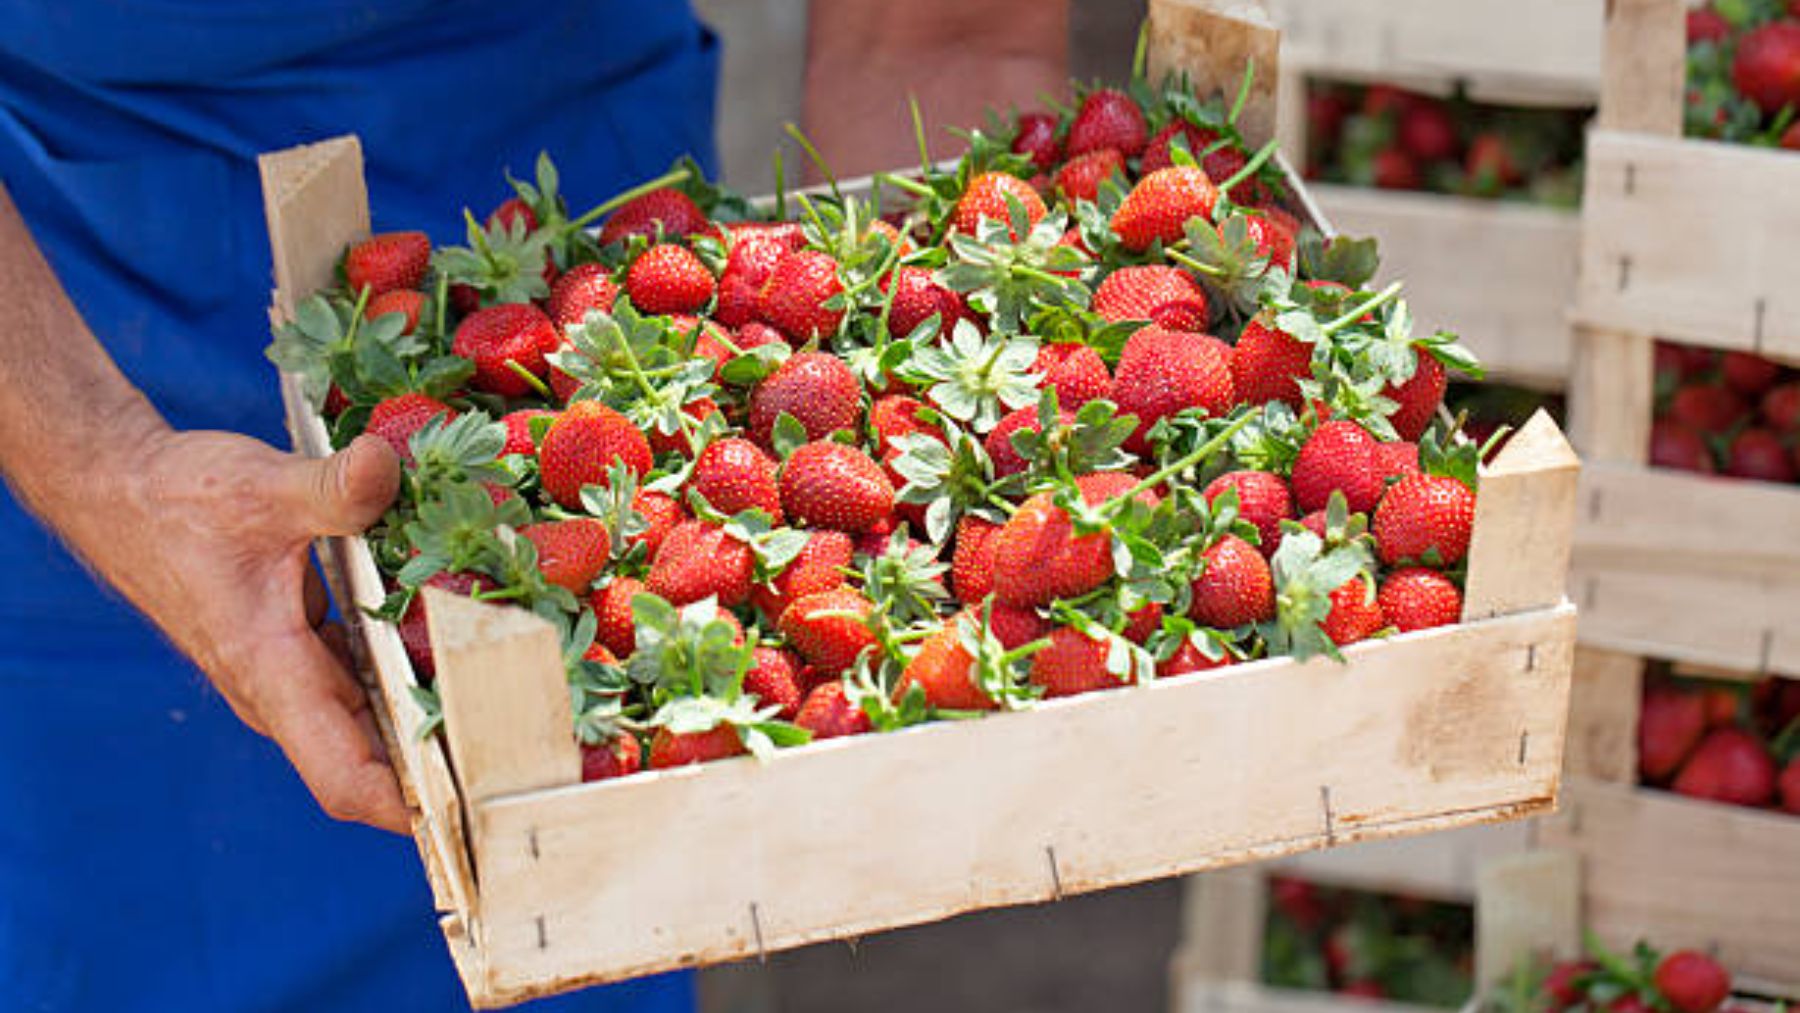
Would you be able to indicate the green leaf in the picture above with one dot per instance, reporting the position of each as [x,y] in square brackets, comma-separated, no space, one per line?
[788,435]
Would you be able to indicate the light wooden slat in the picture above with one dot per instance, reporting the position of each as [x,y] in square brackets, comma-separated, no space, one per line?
[1644,67]
[316,204]
[1526,905]
[1524,519]
[1604,699]
[1685,521]
[1438,866]
[1730,620]
[1213,41]
[1610,388]
[1223,915]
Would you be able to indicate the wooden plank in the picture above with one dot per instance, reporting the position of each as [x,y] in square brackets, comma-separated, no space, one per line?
[1454,726]
[316,204]
[1526,905]
[1223,915]
[1524,520]
[1500,274]
[1657,260]
[1685,873]
[1729,620]
[1645,66]
[1213,41]
[1604,700]
[1688,521]
[1438,866]
[1610,394]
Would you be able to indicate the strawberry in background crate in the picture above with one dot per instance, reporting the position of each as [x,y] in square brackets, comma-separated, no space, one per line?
[1726,413]
[1731,742]
[1743,72]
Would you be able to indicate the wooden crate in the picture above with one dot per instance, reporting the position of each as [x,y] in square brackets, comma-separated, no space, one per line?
[548,884]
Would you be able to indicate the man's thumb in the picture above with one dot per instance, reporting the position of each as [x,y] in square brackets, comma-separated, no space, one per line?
[345,493]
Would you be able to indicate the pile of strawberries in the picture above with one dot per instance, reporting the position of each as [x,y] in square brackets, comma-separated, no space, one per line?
[1646,981]
[1088,408]
[1384,136]
[1729,413]
[1743,72]
[1368,945]
[1729,742]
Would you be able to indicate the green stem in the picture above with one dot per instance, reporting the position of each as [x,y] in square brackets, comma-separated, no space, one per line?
[650,390]
[916,189]
[1024,651]
[530,379]
[356,316]
[1243,93]
[1006,508]
[1194,265]
[1257,161]
[1206,450]
[780,187]
[918,124]
[443,303]
[1363,309]
[667,179]
[1140,56]
[818,160]
[1040,275]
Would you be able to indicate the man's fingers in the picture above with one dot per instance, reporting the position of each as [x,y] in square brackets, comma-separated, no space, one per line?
[345,493]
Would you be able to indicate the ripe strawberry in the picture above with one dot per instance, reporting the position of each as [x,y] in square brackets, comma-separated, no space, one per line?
[1730,765]
[582,288]
[1630,1002]
[829,485]
[816,388]
[1692,982]
[1562,986]
[1416,598]
[1263,500]
[517,333]
[1166,296]
[1036,137]
[1674,445]
[752,260]
[774,679]
[1427,131]
[1425,517]
[1670,723]
[793,299]
[897,415]
[668,278]
[1108,119]
[1394,461]
[1314,522]
[827,628]
[1766,69]
[1490,163]
[699,560]
[672,212]
[1162,372]
[1338,455]
[661,513]
[986,196]
[1682,362]
[1781,408]
[998,442]
[1158,207]
[1790,787]
[735,475]
[1081,176]
[918,297]
[819,567]
[396,419]
[512,212]
[661,443]
[1363,988]
[972,564]
[1394,169]
[1748,374]
[616,627]
[667,749]
[1275,233]
[1268,364]
[943,669]
[1156,154]
[1236,587]
[619,756]
[1355,614]
[1073,663]
[1418,397]
[1044,558]
[1222,163]
[1706,25]
[1758,454]
[1721,706]
[582,443]
[403,301]
[752,335]
[570,553]
[518,430]
[415,631]
[1790,138]
[1188,659]
[387,261]
[829,713]
[1077,372]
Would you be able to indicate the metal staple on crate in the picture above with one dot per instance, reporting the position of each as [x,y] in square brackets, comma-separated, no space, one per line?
[1524,739]
[1056,888]
[1330,823]
[762,954]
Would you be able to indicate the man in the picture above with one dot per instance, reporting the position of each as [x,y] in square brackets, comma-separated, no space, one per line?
[154,853]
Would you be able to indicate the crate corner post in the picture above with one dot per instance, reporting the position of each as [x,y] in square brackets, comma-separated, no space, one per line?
[316,203]
[1214,42]
[1524,524]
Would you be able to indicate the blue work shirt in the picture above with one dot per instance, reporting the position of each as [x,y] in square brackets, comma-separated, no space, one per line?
[155,854]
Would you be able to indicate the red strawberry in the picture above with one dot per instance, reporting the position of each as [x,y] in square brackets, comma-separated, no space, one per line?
[1721,705]
[671,211]
[570,553]
[1790,786]
[1339,455]
[827,628]
[829,713]
[677,442]
[1274,232]
[1781,408]
[1077,372]
[1162,372]
[918,297]
[998,443]
[1692,982]
[1427,131]
[1036,137]
[518,430]
[582,443]
[1670,723]
[1394,169]
[1073,663]
[1081,176]
[619,756]
[1188,659]
[699,560]
[1790,138]
[582,288]
[616,627]
[816,388]
[1766,69]
[1355,614]
[895,416]
[1325,115]
[661,513]
[396,419]
[668,749]
[1674,445]
[1156,155]
[1748,374]
[1705,25]
[387,261]
[1758,454]
[751,335]
[405,302]
[1159,206]
[1363,988]
[734,475]
[1416,598]
[1108,119]
[512,212]
[1561,985]
[1166,296]
[516,333]
[669,279]
[819,567]
[972,564]
[1223,163]
[1630,1002]
[943,670]
[1490,162]
[1730,765]
[1044,558]
[829,485]
[1236,587]
[793,299]
[415,630]
[1418,397]
[1268,364]
[986,196]
[753,258]
[774,679]
[1425,516]
[1395,461]
[1683,362]
[1263,500]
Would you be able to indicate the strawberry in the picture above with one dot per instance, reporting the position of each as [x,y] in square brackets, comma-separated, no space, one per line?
[944,670]
[998,442]
[1073,663]
[661,513]
[1781,408]
[819,567]
[1427,131]
[1338,455]
[518,430]
[1166,296]
[405,302]
[897,415]
[1721,706]
[1766,69]
[1748,374]
[386,262]
[1080,177]
[816,388]
[1562,986]
[1045,559]
[1162,372]
[827,628]
[1630,1002]
[582,289]
[1670,723]
[1424,517]
[972,564]
[1188,659]
[1790,786]
[1140,625]
[734,475]
[697,560]
[1268,364]
[1692,982]
[1156,154]
[570,553]
[1363,988]
[1416,598]
[512,212]
[1706,25]
[1758,454]
[616,628]
[668,749]
[1036,136]
[829,485]
[1263,500]
[1325,115]
[774,679]
[668,278]
[1014,627]
[917,298]
[1355,613]
[793,299]
[1790,138]
[752,260]
[1674,445]
[1275,233]
[1490,164]
[671,212]
[582,443]
[752,335]
[1077,372]
[1223,163]
[1108,119]
[985,197]
[662,443]
[1236,587]
[1730,765]
[396,419]
[1159,206]
[618,756]
[1394,461]
[1419,397]
[829,713]
[498,339]
[415,630]
[1394,169]
[1682,362]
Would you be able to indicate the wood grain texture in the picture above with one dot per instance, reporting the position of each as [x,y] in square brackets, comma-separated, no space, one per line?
[1223,914]
[1644,66]
[1213,41]
[1526,905]
[1439,866]
[1724,525]
[1524,521]
[1679,613]
[1604,699]
[1610,394]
